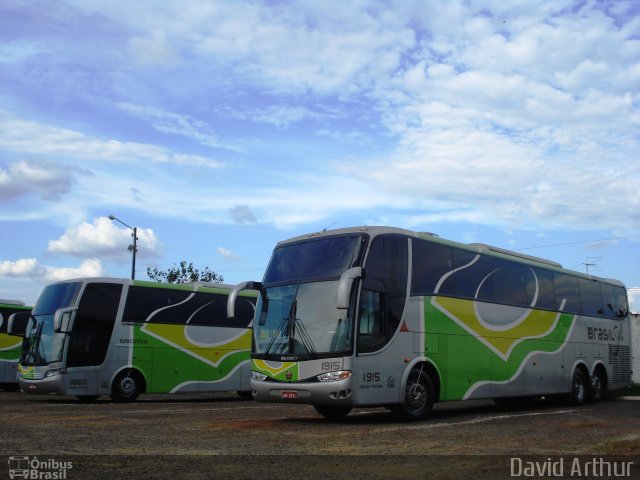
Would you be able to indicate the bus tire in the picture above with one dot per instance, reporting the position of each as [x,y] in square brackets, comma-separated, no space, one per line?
[245,394]
[10,387]
[597,385]
[418,397]
[579,386]
[332,412]
[126,386]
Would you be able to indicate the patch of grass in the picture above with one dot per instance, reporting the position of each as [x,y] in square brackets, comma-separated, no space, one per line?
[630,391]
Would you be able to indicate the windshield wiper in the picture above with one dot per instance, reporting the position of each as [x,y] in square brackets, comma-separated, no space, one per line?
[305,338]
[280,332]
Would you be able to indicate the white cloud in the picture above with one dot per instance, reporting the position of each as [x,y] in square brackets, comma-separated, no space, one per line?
[24,267]
[634,299]
[177,124]
[154,50]
[104,238]
[31,269]
[228,254]
[49,181]
[242,214]
[25,136]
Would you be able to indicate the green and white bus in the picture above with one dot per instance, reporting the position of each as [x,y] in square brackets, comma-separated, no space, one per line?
[104,336]
[378,316]
[10,344]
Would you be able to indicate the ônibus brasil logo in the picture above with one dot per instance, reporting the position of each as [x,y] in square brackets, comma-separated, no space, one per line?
[38,469]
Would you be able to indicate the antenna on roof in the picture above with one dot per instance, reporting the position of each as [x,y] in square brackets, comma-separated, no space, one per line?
[330,225]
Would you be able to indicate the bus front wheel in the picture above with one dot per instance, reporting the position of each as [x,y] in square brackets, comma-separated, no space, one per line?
[126,387]
[418,397]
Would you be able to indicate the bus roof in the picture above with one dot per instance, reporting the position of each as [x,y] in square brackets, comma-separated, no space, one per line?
[12,302]
[473,247]
[191,286]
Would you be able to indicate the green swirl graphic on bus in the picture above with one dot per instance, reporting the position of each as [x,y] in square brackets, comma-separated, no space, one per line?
[283,371]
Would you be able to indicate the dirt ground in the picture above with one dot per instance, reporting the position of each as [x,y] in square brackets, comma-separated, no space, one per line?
[223,436]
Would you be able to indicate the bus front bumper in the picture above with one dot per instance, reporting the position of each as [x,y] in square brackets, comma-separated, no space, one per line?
[45,386]
[339,393]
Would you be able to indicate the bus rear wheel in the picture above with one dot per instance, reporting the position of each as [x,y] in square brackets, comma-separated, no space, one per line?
[579,386]
[332,412]
[597,386]
[418,397]
[126,387]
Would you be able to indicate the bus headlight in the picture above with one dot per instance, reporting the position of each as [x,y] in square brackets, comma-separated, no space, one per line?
[260,377]
[53,372]
[334,376]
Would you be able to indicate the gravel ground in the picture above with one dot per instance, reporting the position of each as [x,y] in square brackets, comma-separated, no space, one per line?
[223,436]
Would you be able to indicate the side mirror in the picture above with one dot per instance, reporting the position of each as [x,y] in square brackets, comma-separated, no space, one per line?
[17,323]
[344,287]
[61,320]
[233,295]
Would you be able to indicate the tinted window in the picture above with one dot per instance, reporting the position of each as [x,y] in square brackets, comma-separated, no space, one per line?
[472,276]
[620,306]
[211,310]
[591,298]
[543,280]
[161,305]
[315,259]
[146,303]
[384,290]
[56,296]
[509,283]
[566,288]
[431,262]
[6,312]
[93,324]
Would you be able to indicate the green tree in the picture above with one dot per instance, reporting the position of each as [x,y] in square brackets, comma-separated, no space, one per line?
[184,273]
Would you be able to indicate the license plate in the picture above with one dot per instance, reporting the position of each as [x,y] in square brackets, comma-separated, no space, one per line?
[287,394]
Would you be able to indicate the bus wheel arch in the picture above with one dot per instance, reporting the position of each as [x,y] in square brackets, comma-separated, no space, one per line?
[127,384]
[598,383]
[418,393]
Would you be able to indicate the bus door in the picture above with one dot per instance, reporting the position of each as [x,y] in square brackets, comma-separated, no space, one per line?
[90,336]
[380,346]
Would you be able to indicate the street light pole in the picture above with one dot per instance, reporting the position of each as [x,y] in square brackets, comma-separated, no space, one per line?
[133,248]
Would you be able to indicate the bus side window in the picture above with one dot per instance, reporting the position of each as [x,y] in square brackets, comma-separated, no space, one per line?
[372,319]
[591,298]
[566,289]
[93,324]
[384,291]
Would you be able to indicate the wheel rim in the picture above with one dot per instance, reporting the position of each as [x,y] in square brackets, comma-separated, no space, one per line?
[127,385]
[416,398]
[579,387]
[596,385]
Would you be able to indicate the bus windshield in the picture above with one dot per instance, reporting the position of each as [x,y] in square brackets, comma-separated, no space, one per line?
[296,310]
[298,320]
[42,344]
[319,259]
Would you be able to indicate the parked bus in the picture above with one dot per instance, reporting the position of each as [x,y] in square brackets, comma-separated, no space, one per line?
[377,316]
[104,336]
[10,344]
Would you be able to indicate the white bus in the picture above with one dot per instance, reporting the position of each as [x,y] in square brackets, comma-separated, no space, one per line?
[378,316]
[10,344]
[104,336]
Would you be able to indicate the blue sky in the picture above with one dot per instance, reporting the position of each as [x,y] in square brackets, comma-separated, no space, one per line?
[220,128]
